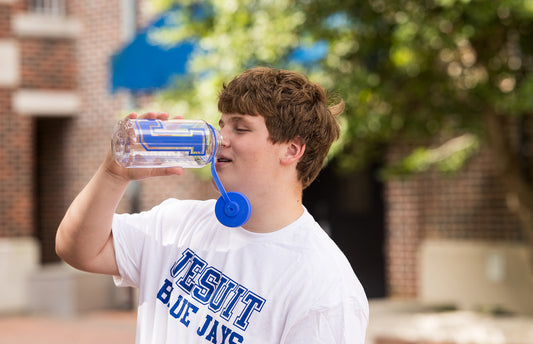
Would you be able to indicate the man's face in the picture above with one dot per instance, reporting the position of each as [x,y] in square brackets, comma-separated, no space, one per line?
[249,161]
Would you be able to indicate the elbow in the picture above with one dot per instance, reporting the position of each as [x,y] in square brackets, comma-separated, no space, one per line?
[63,248]
[69,249]
[60,251]
[66,254]
[60,248]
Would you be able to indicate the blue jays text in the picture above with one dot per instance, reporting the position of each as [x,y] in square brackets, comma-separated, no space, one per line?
[203,284]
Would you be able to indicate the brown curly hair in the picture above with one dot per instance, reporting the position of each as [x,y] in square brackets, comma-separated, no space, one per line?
[292,107]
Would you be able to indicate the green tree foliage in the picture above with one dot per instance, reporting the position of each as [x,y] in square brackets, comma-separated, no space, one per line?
[454,71]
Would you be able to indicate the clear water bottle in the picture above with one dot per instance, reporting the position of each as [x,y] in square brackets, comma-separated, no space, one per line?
[152,143]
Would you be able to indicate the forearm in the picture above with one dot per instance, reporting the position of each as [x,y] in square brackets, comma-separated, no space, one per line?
[84,238]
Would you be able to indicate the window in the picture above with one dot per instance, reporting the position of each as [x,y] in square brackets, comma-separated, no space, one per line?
[48,7]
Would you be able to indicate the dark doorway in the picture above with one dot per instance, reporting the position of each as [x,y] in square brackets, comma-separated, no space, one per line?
[49,182]
[350,208]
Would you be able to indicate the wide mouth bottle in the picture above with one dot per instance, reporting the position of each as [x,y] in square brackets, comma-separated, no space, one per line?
[174,143]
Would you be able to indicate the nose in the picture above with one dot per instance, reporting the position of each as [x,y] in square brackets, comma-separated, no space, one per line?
[225,141]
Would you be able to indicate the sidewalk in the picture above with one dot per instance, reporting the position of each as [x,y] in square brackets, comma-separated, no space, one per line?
[391,322]
[408,322]
[94,328]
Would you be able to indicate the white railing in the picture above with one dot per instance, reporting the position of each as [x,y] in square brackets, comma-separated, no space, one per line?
[56,8]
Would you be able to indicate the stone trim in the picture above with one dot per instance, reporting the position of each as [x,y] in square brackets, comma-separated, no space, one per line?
[45,26]
[9,63]
[46,102]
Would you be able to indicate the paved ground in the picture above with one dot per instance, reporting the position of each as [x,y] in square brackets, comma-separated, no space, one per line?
[94,328]
[404,321]
[414,324]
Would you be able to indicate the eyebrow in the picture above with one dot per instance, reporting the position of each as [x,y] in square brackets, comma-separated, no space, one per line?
[232,119]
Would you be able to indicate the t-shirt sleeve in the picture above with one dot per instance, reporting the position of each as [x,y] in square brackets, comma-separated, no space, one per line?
[131,234]
[343,324]
[128,242]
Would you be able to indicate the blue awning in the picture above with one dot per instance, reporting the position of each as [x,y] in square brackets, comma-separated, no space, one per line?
[145,65]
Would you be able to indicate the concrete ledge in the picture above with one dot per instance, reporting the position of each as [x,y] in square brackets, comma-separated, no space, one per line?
[45,26]
[19,258]
[410,322]
[476,275]
[60,290]
[46,102]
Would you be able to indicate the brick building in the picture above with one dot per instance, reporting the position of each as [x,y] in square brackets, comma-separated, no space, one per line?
[452,239]
[57,116]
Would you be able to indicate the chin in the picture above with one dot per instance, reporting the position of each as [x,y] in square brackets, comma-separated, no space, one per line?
[227,186]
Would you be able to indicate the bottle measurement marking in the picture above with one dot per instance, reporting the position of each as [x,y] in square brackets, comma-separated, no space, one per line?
[153,136]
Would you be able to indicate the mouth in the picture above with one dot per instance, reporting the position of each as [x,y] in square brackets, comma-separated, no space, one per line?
[223,159]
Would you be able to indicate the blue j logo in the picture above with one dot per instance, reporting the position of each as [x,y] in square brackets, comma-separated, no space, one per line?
[188,137]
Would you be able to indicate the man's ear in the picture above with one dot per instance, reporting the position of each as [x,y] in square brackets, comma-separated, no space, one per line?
[294,150]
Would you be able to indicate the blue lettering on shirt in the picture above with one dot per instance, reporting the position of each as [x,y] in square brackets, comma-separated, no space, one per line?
[209,287]
[186,282]
[253,303]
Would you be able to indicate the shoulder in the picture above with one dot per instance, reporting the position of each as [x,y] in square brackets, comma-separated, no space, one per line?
[170,214]
[320,252]
[324,264]
[172,206]
[331,301]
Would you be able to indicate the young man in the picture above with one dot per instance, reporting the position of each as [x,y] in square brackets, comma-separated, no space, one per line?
[277,279]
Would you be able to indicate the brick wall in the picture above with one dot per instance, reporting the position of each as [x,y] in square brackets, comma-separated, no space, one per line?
[16,154]
[5,15]
[403,235]
[468,205]
[29,200]
[16,172]
[87,139]
[47,64]
[471,205]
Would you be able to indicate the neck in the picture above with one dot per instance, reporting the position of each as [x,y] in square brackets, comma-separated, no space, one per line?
[273,212]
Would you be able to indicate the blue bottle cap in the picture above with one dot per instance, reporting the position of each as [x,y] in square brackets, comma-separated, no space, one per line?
[234,213]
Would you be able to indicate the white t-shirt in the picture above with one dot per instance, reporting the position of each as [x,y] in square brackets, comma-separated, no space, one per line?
[202,282]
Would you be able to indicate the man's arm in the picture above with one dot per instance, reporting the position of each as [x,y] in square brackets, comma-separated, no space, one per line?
[84,238]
